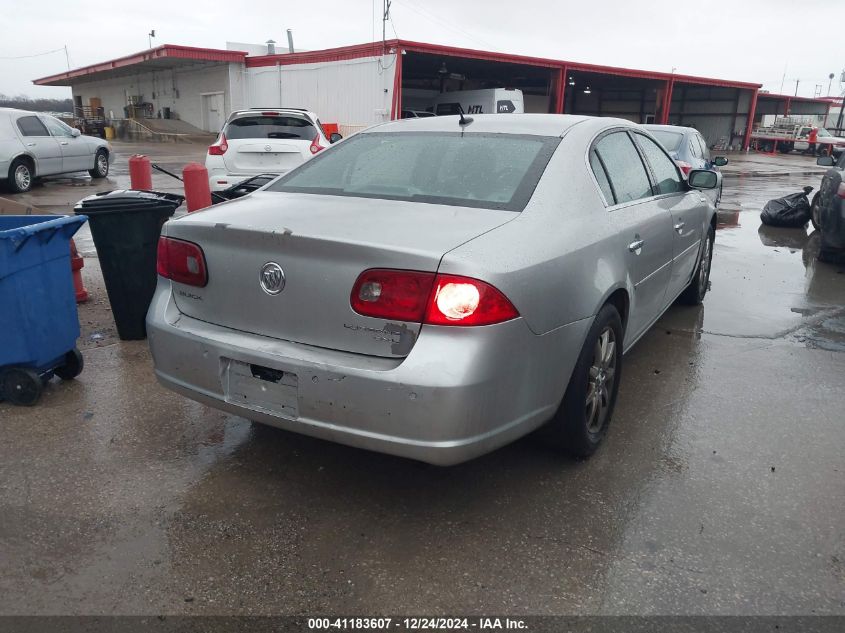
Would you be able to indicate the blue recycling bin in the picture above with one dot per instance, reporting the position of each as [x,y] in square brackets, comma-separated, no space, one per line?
[39,324]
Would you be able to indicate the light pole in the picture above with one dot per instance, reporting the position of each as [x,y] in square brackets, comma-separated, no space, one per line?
[150,37]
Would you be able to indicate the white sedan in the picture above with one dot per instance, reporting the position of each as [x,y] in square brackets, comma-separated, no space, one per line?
[34,145]
[265,141]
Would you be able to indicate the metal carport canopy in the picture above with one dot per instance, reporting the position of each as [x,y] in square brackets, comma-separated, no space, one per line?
[161,57]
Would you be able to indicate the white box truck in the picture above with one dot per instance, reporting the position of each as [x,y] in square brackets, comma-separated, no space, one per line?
[488,101]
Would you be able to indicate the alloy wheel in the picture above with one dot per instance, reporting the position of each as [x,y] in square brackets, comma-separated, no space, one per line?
[23,178]
[601,378]
[704,268]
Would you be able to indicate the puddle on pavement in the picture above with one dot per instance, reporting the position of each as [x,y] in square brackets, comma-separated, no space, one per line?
[767,281]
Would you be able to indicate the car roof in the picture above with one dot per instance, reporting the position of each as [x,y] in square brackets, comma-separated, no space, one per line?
[532,124]
[19,111]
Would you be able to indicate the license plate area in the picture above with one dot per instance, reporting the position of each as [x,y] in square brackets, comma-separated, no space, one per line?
[264,389]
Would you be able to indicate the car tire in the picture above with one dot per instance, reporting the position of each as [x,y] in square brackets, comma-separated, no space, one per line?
[21,175]
[101,165]
[815,212]
[21,386]
[700,283]
[584,414]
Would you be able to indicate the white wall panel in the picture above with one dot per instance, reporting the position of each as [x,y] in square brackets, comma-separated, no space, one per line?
[179,89]
[352,93]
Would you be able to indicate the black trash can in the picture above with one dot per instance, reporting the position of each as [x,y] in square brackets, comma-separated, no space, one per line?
[125,225]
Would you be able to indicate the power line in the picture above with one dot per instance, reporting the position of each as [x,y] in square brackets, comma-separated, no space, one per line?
[436,20]
[57,50]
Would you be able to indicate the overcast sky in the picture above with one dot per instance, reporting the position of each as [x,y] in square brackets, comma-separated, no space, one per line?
[744,40]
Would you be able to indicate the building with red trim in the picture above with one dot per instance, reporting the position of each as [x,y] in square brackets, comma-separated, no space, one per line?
[358,86]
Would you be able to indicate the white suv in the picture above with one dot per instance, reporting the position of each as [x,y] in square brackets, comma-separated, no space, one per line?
[34,145]
[264,141]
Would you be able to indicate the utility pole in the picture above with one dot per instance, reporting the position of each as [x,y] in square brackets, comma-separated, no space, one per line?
[67,58]
[796,87]
[384,19]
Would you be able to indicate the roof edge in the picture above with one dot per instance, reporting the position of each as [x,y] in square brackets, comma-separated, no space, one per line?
[176,51]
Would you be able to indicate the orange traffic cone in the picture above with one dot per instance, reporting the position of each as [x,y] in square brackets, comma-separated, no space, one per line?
[76,264]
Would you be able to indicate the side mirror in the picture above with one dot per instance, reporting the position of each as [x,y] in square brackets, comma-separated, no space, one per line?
[720,161]
[703,179]
[334,137]
[825,161]
[74,132]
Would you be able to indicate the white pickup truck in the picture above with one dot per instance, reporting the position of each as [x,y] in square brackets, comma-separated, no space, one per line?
[786,139]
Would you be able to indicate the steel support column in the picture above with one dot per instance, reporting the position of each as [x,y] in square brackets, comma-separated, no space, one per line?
[752,110]
[560,93]
[667,101]
[396,102]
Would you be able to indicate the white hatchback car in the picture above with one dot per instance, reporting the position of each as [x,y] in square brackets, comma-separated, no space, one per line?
[34,145]
[264,141]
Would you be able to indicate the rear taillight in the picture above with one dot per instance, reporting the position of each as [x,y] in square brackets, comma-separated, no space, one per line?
[399,295]
[315,145]
[685,167]
[464,301]
[418,297]
[220,147]
[181,261]
[840,191]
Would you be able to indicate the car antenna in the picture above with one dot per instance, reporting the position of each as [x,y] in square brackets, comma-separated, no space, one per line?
[464,120]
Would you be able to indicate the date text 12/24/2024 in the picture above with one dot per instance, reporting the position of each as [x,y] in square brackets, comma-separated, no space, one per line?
[415,624]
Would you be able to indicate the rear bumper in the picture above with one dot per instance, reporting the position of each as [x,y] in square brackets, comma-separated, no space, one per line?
[461,392]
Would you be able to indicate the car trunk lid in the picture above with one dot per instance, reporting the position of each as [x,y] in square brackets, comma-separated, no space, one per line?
[321,243]
[265,155]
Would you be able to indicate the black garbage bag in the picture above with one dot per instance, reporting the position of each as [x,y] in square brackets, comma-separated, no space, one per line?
[790,211]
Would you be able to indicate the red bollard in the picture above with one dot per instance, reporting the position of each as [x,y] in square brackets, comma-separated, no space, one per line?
[76,264]
[140,172]
[197,191]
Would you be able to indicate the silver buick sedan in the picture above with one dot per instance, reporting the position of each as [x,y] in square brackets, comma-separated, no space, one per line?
[437,287]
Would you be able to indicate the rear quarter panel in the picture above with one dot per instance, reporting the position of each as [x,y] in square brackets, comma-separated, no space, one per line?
[10,145]
[556,261]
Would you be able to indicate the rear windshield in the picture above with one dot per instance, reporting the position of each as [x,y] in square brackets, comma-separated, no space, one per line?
[290,127]
[670,140]
[493,171]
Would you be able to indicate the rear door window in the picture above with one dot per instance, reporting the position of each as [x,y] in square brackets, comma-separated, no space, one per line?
[695,147]
[663,168]
[671,140]
[32,126]
[625,169]
[705,151]
[271,127]
[601,178]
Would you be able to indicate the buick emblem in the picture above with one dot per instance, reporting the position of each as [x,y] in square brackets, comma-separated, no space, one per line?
[268,148]
[272,278]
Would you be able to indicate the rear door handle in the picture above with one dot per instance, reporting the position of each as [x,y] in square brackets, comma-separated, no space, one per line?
[636,246]
[30,144]
[64,142]
[679,227]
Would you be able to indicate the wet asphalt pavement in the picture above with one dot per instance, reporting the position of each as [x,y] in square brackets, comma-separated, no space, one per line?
[720,488]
